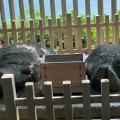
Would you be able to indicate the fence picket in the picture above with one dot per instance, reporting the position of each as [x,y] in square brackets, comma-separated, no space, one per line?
[51,34]
[67,100]
[21,6]
[116,28]
[29,89]
[48,100]
[88,34]
[60,36]
[23,31]
[31,6]
[86,99]
[87,7]
[14,30]
[5,33]
[98,29]
[105,99]
[107,29]
[2,11]
[42,11]
[7,81]
[41,23]
[69,33]
[79,34]
[33,39]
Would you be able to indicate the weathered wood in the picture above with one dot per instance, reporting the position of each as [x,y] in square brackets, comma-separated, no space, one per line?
[69,33]
[87,7]
[30,95]
[9,91]
[67,100]
[105,99]
[107,29]
[48,100]
[2,11]
[21,6]
[88,34]
[86,99]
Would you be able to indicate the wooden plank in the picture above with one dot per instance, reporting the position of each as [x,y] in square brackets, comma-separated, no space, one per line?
[116,28]
[60,35]
[53,14]
[67,100]
[31,6]
[33,39]
[86,99]
[88,34]
[2,11]
[87,7]
[107,28]
[12,9]
[69,33]
[79,34]
[48,100]
[98,29]
[51,34]
[9,92]
[23,31]
[75,8]
[6,38]
[42,10]
[105,99]
[42,42]
[64,11]
[100,10]
[30,94]
[15,34]
[21,6]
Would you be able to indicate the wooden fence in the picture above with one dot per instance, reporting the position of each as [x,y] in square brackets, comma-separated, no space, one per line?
[12,102]
[63,34]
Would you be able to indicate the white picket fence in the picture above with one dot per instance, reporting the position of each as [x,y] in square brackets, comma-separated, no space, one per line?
[12,102]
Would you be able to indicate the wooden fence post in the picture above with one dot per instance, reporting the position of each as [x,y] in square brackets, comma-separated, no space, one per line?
[67,100]
[48,100]
[9,92]
[105,99]
[29,89]
[86,99]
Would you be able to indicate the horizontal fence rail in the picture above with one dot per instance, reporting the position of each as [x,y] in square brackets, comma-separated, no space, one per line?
[12,102]
[68,37]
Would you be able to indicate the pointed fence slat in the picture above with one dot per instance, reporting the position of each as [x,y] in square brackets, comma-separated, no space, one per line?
[30,94]
[9,91]
[105,99]
[48,100]
[67,100]
[86,99]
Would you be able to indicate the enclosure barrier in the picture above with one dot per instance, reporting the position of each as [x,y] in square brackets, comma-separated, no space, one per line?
[101,37]
[12,102]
